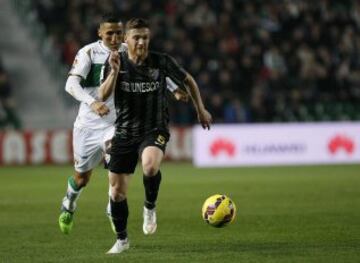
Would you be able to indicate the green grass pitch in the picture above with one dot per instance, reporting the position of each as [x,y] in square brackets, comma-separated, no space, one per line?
[284,214]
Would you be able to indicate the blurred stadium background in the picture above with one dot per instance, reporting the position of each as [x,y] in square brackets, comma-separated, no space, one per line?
[255,61]
[284,73]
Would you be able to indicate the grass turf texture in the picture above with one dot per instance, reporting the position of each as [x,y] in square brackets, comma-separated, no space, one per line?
[285,214]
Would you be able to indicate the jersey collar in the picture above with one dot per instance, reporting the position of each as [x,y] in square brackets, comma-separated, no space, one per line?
[145,63]
[104,47]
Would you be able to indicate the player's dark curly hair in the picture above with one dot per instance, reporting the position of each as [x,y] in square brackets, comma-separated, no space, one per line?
[136,23]
[110,18]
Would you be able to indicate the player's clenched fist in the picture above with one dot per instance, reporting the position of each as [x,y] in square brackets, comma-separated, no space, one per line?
[99,108]
[204,118]
[114,61]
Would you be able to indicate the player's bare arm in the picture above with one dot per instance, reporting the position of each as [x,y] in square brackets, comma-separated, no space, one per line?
[108,86]
[204,117]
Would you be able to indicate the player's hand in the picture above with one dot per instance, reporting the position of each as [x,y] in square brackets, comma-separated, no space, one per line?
[100,108]
[204,118]
[114,61]
[181,95]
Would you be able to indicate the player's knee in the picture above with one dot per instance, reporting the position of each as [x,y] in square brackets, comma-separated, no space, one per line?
[117,194]
[150,168]
[82,179]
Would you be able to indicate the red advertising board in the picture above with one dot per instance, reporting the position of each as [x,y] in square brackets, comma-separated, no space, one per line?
[55,146]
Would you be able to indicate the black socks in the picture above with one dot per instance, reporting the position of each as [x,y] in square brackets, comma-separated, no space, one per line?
[120,210]
[151,184]
[119,216]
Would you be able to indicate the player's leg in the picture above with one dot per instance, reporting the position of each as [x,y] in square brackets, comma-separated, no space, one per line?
[152,154]
[106,146]
[68,206]
[87,155]
[120,168]
[151,159]
[119,210]
[75,186]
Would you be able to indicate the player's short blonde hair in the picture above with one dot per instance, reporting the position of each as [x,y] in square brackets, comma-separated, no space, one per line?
[135,23]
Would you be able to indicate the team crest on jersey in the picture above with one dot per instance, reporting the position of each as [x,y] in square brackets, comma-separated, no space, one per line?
[154,73]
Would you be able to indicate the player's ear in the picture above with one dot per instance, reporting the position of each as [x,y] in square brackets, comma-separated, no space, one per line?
[99,31]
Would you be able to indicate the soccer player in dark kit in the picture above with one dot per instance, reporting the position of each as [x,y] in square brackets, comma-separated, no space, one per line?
[138,79]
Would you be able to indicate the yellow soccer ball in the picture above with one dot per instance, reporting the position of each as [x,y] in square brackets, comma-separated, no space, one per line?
[218,210]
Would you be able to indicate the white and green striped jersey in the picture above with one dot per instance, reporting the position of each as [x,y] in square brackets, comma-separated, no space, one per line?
[89,65]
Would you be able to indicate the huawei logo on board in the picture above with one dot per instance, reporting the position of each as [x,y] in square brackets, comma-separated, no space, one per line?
[221,145]
[341,142]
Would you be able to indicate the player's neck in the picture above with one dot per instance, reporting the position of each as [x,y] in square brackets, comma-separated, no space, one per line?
[107,47]
[137,60]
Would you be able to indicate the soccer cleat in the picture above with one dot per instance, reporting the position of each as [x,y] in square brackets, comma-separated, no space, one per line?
[149,226]
[119,246]
[66,222]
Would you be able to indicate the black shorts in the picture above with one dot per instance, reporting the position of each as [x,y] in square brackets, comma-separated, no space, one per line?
[124,155]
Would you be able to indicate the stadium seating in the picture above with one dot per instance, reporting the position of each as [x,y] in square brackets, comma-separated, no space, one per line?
[281,61]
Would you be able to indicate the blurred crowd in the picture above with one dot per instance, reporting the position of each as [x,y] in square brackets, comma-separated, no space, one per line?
[255,61]
[8,115]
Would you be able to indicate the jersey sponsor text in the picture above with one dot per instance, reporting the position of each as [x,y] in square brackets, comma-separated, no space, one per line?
[141,87]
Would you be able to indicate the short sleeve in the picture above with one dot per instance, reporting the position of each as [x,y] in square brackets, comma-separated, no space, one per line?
[174,71]
[81,65]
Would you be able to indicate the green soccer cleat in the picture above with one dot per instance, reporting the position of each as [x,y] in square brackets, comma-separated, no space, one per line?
[66,222]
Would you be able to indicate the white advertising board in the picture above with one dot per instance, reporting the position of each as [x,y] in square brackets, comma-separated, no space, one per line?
[277,144]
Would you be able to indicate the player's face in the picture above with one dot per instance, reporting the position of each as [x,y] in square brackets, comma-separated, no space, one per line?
[138,40]
[111,34]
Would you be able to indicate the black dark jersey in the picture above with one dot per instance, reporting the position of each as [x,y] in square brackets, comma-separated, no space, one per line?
[140,94]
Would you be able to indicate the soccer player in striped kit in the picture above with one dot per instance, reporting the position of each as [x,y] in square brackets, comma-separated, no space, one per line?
[137,80]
